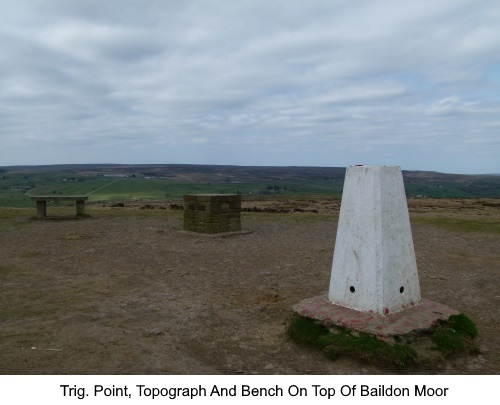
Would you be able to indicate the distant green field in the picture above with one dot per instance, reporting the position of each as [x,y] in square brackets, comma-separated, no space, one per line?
[16,186]
[119,189]
[443,190]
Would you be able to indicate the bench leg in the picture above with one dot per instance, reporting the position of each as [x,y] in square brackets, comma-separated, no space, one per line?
[80,207]
[41,209]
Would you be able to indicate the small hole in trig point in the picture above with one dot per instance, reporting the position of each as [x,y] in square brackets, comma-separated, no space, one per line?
[402,290]
[352,289]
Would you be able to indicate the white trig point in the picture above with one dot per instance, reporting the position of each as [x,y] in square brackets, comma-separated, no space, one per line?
[374,267]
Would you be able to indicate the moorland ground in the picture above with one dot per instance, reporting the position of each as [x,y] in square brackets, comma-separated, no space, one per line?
[125,292]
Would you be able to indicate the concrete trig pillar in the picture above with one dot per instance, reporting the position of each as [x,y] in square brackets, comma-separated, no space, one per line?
[374,267]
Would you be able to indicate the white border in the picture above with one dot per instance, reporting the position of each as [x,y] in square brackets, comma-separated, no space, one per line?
[47,389]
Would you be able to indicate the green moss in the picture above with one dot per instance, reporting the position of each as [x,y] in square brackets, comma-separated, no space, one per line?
[448,341]
[464,325]
[454,336]
[311,333]
[306,331]
[331,352]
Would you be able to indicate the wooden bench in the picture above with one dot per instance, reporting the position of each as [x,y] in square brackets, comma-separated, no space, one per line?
[41,203]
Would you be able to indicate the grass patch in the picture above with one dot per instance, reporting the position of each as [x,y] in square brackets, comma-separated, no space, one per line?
[311,333]
[455,336]
[307,217]
[452,337]
[131,212]
[491,204]
[4,270]
[464,225]
[29,255]
[15,218]
[8,213]
[292,217]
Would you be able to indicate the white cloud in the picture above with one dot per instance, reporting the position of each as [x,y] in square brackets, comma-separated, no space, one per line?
[360,94]
[453,105]
[250,82]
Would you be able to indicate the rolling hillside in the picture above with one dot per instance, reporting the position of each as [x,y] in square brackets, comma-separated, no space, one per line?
[109,182]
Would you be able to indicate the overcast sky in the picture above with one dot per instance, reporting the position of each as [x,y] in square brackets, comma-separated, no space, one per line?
[250,82]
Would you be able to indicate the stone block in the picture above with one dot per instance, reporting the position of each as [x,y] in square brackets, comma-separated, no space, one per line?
[212,213]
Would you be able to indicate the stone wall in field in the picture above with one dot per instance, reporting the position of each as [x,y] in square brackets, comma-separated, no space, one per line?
[212,213]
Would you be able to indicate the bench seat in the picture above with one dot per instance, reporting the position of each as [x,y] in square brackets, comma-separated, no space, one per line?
[41,203]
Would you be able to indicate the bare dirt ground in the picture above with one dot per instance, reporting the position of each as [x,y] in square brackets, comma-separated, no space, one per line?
[125,292]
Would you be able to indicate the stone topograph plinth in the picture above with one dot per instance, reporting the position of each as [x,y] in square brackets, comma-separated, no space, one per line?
[212,213]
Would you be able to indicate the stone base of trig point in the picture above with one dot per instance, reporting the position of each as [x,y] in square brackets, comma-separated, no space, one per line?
[415,318]
[213,214]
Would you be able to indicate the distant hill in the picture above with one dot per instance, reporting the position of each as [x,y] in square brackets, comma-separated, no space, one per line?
[198,172]
[171,180]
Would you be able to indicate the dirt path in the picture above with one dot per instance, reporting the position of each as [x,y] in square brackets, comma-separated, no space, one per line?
[130,294]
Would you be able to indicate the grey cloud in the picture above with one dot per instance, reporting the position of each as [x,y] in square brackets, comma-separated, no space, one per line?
[239,79]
